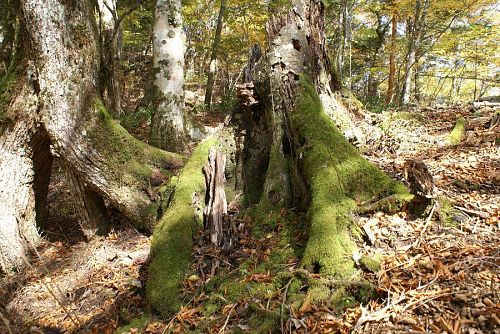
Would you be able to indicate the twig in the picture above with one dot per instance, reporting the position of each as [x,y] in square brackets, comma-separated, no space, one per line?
[283,304]
[472,212]
[6,322]
[175,316]
[222,330]
[426,225]
[377,315]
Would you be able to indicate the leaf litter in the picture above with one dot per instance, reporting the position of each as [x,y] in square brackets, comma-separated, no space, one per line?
[431,277]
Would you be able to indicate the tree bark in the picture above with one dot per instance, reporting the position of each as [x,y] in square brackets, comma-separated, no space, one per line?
[392,61]
[110,86]
[169,124]
[415,30]
[212,71]
[18,232]
[381,31]
[57,110]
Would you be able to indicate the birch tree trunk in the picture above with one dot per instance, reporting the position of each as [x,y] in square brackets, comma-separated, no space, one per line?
[57,110]
[168,125]
[392,62]
[415,27]
[212,71]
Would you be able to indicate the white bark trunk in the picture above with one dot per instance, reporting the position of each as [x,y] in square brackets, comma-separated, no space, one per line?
[18,230]
[168,128]
[405,97]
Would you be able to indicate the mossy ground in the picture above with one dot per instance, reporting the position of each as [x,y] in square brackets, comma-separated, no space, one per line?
[137,324]
[447,213]
[339,179]
[261,279]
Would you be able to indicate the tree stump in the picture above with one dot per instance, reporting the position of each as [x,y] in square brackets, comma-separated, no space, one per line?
[215,217]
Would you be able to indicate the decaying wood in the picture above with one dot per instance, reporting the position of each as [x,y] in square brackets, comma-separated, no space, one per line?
[253,57]
[247,95]
[215,217]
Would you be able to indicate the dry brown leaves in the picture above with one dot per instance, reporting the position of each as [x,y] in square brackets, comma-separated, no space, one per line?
[443,279]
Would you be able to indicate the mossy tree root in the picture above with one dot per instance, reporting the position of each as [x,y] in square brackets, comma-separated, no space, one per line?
[338,178]
[390,204]
[172,241]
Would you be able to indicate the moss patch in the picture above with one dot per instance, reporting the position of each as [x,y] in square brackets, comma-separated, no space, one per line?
[123,150]
[371,263]
[130,161]
[458,132]
[137,325]
[447,212]
[173,236]
[339,178]
[8,84]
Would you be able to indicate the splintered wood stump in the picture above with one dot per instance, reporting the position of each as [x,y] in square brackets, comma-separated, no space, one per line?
[215,217]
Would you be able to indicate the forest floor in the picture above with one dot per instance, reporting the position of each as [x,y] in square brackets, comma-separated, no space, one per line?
[429,276]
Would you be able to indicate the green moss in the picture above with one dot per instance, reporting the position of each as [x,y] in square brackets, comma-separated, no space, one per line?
[371,263]
[447,212]
[137,323]
[409,116]
[338,178]
[172,240]
[129,160]
[124,152]
[458,132]
[263,321]
[7,88]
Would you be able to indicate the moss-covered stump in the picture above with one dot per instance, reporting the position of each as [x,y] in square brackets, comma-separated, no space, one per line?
[458,132]
[339,178]
[172,241]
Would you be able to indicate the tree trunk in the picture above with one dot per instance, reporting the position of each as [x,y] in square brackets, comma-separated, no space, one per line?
[379,43]
[18,232]
[392,62]
[168,125]
[57,109]
[311,165]
[9,25]
[110,86]
[415,27]
[212,71]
